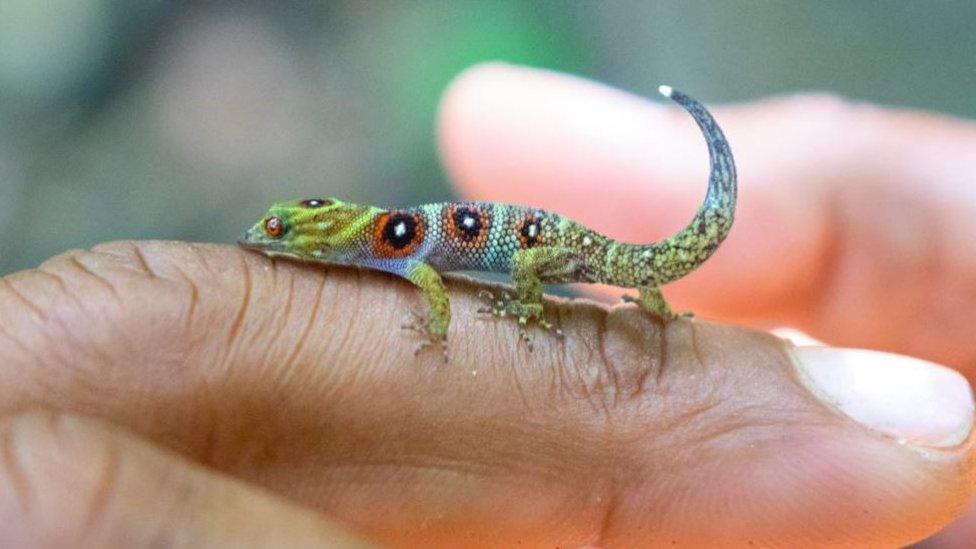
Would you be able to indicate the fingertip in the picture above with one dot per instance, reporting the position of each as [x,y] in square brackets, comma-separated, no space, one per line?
[813,476]
[515,134]
[914,401]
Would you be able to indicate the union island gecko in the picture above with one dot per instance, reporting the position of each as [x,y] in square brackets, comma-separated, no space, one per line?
[535,246]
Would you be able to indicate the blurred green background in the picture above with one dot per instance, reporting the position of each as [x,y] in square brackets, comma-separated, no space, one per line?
[183,120]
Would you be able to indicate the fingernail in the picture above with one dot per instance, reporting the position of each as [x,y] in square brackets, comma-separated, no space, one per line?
[910,399]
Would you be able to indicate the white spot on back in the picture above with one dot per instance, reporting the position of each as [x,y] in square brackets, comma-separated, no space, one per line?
[468,221]
[587,241]
[533,230]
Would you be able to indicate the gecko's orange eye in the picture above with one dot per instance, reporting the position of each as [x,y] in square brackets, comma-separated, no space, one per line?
[274,227]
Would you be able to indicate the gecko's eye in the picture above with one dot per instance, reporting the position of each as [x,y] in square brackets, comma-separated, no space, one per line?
[274,227]
[315,203]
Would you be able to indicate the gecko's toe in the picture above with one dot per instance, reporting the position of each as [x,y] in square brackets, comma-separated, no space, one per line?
[486,296]
[432,341]
[526,338]
[416,323]
[505,305]
[420,324]
[549,327]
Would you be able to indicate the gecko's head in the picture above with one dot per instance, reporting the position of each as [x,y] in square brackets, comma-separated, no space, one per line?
[315,228]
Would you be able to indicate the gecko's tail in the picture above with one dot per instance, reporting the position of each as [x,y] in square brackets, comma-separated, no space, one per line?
[685,251]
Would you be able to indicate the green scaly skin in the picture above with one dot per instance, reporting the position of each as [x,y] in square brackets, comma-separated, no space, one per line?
[535,246]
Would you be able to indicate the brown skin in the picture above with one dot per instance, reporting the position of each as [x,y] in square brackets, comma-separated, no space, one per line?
[268,373]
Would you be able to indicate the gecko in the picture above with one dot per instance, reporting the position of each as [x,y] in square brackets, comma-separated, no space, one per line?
[534,246]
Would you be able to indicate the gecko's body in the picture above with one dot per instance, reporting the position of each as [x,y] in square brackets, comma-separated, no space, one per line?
[535,246]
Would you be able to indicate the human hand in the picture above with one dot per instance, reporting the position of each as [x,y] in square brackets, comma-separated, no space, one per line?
[297,379]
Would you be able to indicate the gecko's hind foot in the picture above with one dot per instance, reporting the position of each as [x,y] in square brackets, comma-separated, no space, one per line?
[420,324]
[495,306]
[505,305]
[657,307]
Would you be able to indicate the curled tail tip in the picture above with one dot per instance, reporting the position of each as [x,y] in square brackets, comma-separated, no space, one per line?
[677,96]
[715,216]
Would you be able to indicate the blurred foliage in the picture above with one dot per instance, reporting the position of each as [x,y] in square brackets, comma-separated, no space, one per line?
[164,119]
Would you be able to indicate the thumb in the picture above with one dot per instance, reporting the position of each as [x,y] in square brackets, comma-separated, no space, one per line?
[71,481]
[626,432]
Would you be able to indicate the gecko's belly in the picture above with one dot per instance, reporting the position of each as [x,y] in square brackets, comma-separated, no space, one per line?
[492,261]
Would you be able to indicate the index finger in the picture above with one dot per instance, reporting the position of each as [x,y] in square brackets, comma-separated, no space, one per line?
[854,223]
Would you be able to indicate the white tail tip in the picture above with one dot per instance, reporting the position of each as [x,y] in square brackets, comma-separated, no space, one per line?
[666,91]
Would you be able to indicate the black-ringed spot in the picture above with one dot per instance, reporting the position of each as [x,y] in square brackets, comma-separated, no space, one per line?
[467,223]
[398,234]
[530,232]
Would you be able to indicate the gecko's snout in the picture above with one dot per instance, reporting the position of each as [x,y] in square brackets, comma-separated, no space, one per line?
[254,239]
[247,240]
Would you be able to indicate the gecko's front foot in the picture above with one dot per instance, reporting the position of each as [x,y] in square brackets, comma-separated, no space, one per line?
[433,335]
[505,305]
